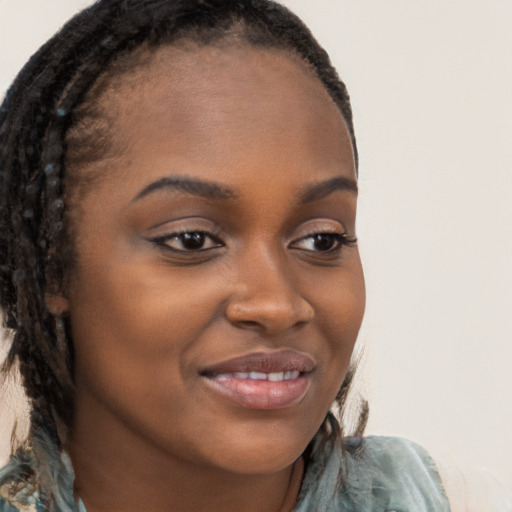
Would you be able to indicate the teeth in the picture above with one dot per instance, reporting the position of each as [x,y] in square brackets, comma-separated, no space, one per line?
[272,377]
[258,376]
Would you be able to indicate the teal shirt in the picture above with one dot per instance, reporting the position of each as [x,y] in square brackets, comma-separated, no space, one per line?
[381,474]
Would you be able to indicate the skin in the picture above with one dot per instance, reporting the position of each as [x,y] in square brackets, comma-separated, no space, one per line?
[147,315]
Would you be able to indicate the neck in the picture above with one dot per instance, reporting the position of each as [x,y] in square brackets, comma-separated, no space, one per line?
[116,470]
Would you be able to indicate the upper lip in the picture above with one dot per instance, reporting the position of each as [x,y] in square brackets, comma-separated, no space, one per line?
[265,362]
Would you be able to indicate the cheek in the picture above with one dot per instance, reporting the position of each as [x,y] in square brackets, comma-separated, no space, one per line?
[340,305]
[130,320]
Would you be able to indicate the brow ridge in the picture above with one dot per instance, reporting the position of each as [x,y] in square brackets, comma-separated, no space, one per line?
[193,186]
[321,190]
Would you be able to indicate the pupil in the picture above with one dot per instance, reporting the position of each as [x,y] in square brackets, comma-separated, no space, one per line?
[193,240]
[324,242]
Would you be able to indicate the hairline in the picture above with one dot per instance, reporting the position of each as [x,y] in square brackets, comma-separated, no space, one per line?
[135,61]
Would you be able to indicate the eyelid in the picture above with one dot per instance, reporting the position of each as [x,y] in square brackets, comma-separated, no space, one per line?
[183,225]
[164,232]
[176,234]
[341,240]
[304,242]
[316,226]
[164,240]
[192,223]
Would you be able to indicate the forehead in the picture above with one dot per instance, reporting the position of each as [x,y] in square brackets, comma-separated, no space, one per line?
[226,113]
[228,85]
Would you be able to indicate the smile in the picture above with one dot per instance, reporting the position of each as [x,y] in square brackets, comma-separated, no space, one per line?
[273,377]
[262,381]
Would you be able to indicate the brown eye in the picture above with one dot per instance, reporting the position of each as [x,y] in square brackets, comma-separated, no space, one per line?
[320,242]
[189,241]
[192,241]
[325,241]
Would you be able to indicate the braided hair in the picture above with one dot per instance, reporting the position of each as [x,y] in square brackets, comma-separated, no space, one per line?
[51,129]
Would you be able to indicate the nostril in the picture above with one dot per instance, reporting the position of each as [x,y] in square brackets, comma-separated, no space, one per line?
[248,324]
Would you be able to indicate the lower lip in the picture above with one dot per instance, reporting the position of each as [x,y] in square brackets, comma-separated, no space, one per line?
[262,394]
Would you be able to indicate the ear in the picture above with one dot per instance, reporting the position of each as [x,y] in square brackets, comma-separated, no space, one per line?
[57,304]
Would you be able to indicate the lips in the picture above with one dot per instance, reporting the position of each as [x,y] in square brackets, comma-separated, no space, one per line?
[262,380]
[264,362]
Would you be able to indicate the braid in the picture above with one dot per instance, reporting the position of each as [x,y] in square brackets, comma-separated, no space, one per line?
[50,128]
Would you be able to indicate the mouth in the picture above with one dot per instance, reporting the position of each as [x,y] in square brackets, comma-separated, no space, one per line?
[262,380]
[271,377]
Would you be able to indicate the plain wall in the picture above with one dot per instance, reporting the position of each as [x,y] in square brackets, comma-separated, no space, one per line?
[431,89]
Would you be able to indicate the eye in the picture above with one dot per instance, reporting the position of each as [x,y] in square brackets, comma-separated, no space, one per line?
[323,242]
[189,241]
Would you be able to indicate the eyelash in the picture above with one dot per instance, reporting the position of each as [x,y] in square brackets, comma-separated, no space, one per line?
[341,239]
[164,240]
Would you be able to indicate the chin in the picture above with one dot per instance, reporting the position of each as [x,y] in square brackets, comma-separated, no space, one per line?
[262,454]
[261,463]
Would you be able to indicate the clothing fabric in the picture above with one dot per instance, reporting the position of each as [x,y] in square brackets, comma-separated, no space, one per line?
[378,474]
[382,474]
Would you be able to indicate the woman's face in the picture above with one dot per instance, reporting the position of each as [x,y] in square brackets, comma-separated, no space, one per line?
[215,302]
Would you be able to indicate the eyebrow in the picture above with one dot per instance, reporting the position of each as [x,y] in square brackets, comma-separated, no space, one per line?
[320,190]
[206,189]
[212,190]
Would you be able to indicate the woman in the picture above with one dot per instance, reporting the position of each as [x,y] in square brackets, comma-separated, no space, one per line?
[180,271]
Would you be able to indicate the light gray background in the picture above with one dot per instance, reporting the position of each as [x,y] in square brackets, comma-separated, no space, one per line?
[431,85]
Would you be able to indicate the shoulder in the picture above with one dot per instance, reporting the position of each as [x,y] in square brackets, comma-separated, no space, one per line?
[402,475]
[374,474]
[7,506]
[15,491]
[397,458]
[26,480]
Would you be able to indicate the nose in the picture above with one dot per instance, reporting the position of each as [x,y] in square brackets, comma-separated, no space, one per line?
[267,299]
